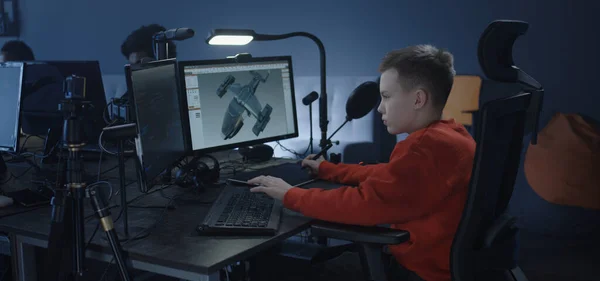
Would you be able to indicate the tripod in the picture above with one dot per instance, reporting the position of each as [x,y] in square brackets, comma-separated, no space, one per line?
[66,246]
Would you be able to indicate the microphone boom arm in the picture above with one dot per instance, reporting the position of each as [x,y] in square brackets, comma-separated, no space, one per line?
[339,128]
[329,143]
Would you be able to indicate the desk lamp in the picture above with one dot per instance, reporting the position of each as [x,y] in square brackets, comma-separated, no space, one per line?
[244,36]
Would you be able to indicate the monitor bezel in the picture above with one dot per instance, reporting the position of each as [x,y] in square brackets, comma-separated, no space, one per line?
[235,60]
[22,66]
[145,181]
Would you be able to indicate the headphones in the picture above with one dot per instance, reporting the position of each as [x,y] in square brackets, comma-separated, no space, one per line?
[197,173]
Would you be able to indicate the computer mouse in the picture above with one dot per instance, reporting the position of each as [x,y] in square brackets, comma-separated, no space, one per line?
[5,201]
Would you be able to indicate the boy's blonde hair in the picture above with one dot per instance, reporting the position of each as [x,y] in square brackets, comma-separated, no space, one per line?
[423,66]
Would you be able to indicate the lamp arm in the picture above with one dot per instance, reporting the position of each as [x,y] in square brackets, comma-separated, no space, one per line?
[323,122]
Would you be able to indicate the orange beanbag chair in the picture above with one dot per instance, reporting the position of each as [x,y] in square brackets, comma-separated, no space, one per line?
[564,167]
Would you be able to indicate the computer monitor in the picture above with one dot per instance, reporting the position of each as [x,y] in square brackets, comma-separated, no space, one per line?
[158,108]
[44,92]
[11,83]
[234,104]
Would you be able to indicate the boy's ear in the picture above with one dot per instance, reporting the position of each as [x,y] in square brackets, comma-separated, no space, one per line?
[421,98]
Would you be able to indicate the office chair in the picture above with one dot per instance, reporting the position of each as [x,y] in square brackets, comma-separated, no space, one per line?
[485,245]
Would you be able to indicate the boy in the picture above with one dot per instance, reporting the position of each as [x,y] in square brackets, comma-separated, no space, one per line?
[424,186]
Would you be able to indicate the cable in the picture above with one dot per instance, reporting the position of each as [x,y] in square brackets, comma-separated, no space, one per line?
[31,163]
[10,177]
[92,237]
[119,216]
[149,229]
[147,207]
[106,171]
[106,150]
[22,174]
[116,219]
[103,182]
[298,155]
[100,164]
[102,146]
[107,120]
[22,156]
[24,142]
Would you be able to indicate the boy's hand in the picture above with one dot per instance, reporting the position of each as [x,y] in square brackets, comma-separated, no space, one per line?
[272,186]
[312,165]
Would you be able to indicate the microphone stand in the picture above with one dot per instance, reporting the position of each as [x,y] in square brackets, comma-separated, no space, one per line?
[329,142]
[323,240]
[308,100]
[162,50]
[161,40]
[360,103]
[66,242]
[121,133]
[311,127]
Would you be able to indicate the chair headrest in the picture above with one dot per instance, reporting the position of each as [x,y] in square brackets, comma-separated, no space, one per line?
[495,50]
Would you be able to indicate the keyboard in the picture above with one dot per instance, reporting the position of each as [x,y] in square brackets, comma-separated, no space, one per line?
[237,211]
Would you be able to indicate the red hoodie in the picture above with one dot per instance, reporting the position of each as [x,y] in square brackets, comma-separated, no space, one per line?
[422,190]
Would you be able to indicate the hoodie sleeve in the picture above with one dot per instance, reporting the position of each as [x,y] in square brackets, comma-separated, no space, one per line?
[400,191]
[350,174]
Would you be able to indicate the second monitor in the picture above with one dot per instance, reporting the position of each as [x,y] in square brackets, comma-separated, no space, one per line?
[233,104]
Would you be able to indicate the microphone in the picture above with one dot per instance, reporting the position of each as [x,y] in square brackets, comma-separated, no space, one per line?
[308,99]
[99,205]
[176,34]
[362,100]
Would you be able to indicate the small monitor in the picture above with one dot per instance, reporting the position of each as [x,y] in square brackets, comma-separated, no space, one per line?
[233,104]
[11,84]
[158,109]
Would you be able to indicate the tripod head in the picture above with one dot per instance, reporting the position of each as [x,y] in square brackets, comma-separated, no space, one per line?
[74,107]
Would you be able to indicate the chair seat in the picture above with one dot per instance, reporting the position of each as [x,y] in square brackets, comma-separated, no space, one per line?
[360,234]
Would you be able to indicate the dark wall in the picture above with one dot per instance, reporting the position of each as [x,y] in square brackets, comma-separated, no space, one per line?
[560,49]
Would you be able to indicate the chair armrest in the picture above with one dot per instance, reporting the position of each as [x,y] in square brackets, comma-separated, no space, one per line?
[360,234]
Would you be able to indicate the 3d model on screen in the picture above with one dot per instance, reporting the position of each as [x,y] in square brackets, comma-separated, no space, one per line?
[244,100]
